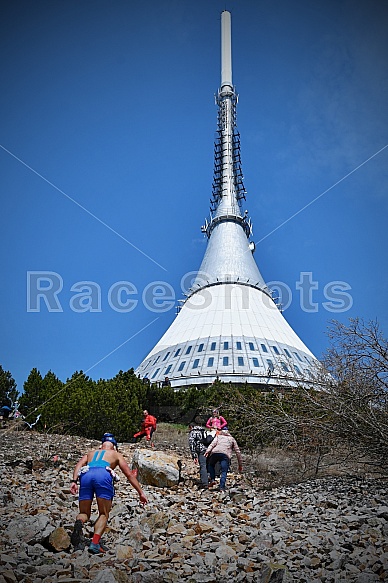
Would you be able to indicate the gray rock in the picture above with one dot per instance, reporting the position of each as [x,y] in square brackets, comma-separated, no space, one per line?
[31,529]
[135,538]
[170,576]
[367,577]
[9,576]
[146,577]
[210,559]
[226,553]
[203,578]
[156,520]
[275,573]
[8,560]
[156,468]
[382,512]
[104,576]
[46,570]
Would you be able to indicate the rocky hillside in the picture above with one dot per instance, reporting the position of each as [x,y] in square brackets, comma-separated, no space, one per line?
[327,530]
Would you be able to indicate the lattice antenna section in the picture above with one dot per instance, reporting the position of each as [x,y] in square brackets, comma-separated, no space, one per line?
[220,146]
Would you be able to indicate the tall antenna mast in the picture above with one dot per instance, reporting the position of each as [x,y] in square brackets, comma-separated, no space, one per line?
[226,51]
[228,187]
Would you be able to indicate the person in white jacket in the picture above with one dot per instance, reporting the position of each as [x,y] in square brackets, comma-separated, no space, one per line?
[220,450]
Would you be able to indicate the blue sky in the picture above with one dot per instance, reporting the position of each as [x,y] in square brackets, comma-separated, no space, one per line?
[106,162]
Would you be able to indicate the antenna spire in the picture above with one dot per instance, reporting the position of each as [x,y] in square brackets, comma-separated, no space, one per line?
[226,51]
[228,186]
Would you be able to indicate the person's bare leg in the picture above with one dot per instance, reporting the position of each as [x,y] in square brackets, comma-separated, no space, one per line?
[104,507]
[85,507]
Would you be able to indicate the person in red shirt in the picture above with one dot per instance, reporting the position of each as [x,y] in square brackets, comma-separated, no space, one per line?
[148,427]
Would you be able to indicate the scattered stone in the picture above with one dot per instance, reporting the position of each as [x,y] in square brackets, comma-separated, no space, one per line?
[105,576]
[331,529]
[275,573]
[59,539]
[9,576]
[124,552]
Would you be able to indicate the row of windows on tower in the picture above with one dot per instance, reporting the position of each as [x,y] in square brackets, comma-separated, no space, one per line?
[227,346]
[225,361]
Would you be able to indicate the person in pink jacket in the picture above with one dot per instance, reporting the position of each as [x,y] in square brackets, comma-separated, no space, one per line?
[217,421]
[220,450]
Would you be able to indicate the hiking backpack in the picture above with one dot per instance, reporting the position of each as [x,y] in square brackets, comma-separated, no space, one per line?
[207,437]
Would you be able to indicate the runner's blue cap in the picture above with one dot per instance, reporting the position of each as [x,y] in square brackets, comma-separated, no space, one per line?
[109,437]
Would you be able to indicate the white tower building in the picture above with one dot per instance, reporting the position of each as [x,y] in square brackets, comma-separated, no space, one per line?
[228,326]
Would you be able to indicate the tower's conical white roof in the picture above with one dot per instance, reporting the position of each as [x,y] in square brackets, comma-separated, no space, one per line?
[229,326]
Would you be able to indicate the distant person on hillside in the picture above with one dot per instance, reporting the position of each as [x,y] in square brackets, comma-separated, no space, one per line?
[166,382]
[95,473]
[216,421]
[5,412]
[220,450]
[197,450]
[148,427]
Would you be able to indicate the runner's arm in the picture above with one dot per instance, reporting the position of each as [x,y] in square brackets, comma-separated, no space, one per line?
[82,462]
[124,467]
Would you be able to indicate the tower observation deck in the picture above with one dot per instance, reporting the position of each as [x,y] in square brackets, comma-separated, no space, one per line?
[228,326]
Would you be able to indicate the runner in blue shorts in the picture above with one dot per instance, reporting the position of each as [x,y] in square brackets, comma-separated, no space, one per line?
[95,472]
[97,479]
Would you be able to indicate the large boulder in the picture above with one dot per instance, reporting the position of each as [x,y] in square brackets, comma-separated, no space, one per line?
[156,468]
